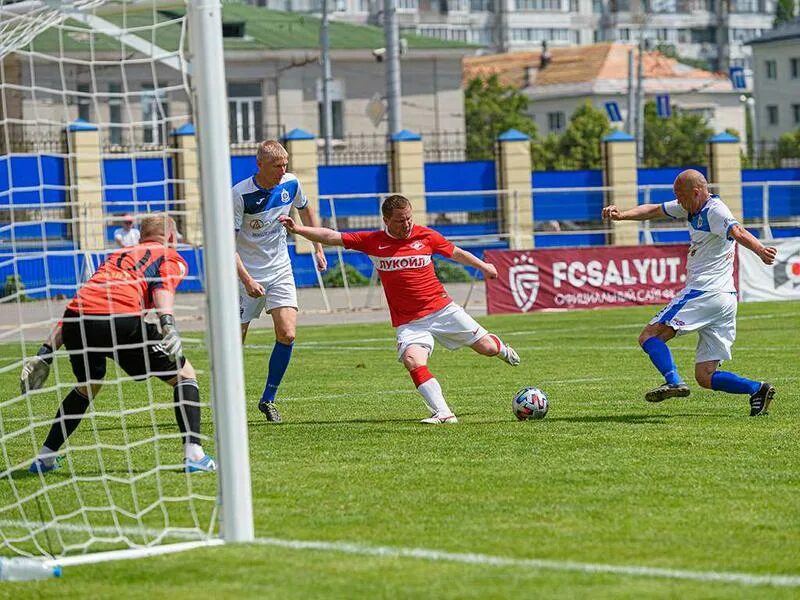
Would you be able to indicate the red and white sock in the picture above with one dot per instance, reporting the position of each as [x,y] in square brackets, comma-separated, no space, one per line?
[502,350]
[430,390]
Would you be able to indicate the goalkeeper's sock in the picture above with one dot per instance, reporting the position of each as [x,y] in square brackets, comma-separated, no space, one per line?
[47,456]
[430,390]
[661,357]
[67,418]
[193,452]
[723,381]
[186,395]
[278,363]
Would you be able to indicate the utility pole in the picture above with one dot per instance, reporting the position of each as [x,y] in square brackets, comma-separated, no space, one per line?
[629,121]
[392,41]
[327,111]
[640,102]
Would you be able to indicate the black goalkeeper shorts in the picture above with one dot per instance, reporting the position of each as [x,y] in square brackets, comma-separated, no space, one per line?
[128,340]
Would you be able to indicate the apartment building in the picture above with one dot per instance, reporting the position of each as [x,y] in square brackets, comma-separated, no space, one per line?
[712,31]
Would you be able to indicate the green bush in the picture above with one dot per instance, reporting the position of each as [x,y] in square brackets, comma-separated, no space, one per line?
[14,285]
[449,272]
[333,276]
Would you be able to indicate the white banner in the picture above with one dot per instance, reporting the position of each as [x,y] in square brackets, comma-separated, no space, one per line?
[780,281]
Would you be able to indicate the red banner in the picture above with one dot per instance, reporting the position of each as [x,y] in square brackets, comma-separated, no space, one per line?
[595,277]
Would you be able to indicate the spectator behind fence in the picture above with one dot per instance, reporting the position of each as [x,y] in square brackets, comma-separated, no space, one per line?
[127,235]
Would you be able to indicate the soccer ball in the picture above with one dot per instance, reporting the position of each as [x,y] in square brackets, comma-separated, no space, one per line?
[530,403]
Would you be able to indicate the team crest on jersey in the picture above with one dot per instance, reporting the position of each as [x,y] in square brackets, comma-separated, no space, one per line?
[523,279]
[285,198]
[417,245]
[257,224]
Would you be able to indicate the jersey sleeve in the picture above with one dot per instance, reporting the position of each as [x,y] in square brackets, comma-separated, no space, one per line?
[441,245]
[300,200]
[238,209]
[720,220]
[673,210]
[171,272]
[357,240]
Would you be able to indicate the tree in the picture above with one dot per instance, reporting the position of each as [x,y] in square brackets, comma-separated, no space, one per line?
[490,109]
[788,146]
[784,12]
[578,147]
[580,144]
[679,140]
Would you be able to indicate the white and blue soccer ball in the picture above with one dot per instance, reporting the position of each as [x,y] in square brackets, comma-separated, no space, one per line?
[530,403]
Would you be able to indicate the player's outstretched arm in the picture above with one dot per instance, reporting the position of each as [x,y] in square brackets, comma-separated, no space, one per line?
[745,238]
[36,369]
[323,235]
[308,217]
[643,212]
[468,259]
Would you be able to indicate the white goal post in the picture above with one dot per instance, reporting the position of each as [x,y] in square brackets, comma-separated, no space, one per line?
[112,109]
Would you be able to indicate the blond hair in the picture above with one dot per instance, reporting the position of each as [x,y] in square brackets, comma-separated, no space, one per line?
[270,150]
[158,225]
[392,202]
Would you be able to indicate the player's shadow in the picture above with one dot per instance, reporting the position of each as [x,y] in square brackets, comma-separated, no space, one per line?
[264,423]
[630,419]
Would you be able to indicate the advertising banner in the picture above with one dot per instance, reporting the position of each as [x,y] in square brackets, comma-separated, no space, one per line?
[568,278]
[780,281]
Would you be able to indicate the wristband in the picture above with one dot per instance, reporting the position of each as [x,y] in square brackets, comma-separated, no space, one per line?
[46,353]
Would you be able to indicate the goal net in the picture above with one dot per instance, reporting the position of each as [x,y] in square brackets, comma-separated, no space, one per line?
[104,121]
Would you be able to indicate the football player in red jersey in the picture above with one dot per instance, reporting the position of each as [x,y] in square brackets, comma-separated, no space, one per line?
[104,320]
[420,308]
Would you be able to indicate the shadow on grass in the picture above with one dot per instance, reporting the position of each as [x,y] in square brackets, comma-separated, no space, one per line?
[634,419]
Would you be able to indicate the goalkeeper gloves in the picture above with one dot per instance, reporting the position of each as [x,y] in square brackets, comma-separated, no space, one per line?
[36,369]
[170,338]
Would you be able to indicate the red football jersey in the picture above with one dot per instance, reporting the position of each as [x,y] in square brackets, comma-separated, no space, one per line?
[124,283]
[405,267]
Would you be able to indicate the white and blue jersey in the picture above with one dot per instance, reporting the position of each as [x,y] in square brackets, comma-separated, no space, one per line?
[709,266]
[260,238]
[707,304]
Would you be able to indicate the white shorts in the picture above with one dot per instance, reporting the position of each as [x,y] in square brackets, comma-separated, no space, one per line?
[452,326]
[279,292]
[711,314]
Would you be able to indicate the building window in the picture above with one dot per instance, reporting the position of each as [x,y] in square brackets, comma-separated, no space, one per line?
[794,63]
[115,114]
[155,111]
[480,5]
[555,121]
[796,113]
[407,5]
[538,5]
[337,117]
[530,34]
[337,98]
[772,114]
[772,69]
[245,112]
[84,102]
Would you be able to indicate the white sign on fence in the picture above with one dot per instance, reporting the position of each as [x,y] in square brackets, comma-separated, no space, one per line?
[780,281]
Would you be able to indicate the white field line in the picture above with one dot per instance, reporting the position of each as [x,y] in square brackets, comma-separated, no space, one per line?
[745,579]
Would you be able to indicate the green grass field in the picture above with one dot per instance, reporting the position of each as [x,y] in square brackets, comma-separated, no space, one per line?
[693,485]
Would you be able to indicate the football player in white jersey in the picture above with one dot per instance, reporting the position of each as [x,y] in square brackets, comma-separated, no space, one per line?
[262,257]
[707,304]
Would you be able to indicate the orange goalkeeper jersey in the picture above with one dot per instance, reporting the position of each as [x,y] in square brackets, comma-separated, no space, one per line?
[125,282]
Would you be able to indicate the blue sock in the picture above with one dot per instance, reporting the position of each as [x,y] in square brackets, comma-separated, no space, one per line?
[278,361]
[733,384]
[661,357]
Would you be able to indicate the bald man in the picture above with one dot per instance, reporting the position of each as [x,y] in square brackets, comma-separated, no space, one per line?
[707,304]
